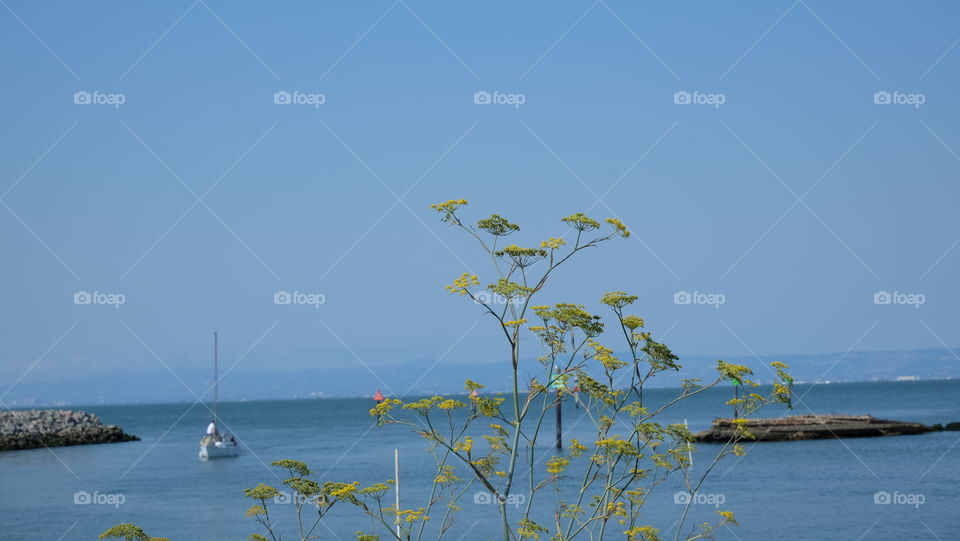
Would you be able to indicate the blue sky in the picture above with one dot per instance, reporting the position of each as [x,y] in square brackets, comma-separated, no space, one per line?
[798,199]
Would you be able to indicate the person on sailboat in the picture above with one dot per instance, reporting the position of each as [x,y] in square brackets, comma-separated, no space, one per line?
[212,430]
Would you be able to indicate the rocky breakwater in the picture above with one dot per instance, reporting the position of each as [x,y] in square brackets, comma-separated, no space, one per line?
[814,427]
[29,429]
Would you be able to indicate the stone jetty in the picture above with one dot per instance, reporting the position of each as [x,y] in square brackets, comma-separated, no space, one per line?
[29,429]
[814,427]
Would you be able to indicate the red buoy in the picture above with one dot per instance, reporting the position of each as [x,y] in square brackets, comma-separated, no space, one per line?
[378,396]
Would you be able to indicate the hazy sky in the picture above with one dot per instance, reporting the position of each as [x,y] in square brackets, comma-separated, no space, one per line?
[788,190]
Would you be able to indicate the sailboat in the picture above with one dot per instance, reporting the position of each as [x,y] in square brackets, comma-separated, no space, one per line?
[217,444]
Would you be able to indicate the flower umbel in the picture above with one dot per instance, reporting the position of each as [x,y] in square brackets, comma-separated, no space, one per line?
[448,210]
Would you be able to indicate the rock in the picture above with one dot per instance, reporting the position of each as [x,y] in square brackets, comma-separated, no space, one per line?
[812,427]
[952,426]
[29,429]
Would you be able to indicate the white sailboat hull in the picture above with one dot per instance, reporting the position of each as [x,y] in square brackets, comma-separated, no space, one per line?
[218,449]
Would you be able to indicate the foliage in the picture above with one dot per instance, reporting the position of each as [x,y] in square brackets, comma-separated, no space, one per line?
[631,454]
[130,533]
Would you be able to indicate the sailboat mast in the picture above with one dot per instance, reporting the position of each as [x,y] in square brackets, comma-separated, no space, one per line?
[216,379]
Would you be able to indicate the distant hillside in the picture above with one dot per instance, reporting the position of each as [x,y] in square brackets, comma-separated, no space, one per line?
[423,377]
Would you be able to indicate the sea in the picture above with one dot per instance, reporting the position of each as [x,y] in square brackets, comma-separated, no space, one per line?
[905,487]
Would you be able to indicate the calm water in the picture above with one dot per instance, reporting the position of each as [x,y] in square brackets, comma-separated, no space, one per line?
[797,490]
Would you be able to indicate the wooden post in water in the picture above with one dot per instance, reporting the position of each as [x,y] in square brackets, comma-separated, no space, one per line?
[559,420]
[559,385]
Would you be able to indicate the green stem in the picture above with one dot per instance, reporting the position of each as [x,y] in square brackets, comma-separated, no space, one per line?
[516,444]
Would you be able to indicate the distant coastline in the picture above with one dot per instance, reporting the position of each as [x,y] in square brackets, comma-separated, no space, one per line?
[428,377]
[408,396]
